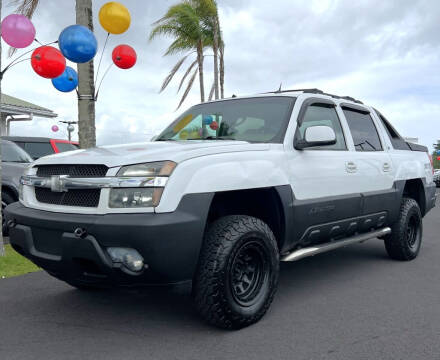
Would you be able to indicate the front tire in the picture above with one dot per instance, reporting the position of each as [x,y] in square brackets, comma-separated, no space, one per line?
[237,274]
[6,200]
[406,234]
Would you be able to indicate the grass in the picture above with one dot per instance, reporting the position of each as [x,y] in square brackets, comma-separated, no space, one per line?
[13,264]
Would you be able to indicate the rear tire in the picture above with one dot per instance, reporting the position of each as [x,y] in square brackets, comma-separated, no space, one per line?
[406,233]
[237,274]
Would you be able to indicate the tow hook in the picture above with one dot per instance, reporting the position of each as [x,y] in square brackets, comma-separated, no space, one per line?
[80,233]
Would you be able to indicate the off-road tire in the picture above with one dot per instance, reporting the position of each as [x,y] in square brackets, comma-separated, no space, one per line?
[233,247]
[406,233]
[6,200]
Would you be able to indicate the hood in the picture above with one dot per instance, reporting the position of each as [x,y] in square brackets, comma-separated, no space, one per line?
[178,151]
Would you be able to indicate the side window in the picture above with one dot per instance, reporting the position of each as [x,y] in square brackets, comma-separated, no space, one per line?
[396,140]
[319,114]
[363,130]
[37,150]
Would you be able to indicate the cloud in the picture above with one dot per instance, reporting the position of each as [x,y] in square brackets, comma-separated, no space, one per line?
[386,53]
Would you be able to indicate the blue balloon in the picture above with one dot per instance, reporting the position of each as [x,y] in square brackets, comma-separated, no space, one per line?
[67,81]
[207,120]
[78,44]
[438,152]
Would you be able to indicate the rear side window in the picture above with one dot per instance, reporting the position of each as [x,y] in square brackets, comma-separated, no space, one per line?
[317,115]
[363,131]
[38,149]
[396,140]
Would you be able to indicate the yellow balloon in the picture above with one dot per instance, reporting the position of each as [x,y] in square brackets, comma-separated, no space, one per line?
[182,123]
[114,17]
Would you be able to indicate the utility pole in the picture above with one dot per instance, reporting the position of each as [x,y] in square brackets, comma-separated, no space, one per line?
[70,127]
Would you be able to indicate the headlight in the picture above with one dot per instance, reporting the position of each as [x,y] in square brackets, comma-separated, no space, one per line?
[160,168]
[141,197]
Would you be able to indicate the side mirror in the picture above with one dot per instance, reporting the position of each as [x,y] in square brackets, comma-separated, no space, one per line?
[319,135]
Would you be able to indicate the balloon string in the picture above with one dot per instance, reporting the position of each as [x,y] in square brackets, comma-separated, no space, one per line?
[102,79]
[13,62]
[102,54]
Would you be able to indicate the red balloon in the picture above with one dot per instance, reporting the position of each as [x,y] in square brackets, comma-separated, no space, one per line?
[214,125]
[438,157]
[124,56]
[48,62]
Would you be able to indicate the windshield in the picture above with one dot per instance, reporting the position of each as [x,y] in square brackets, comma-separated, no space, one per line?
[259,120]
[14,153]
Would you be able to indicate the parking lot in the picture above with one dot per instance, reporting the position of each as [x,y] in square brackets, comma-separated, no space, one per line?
[353,303]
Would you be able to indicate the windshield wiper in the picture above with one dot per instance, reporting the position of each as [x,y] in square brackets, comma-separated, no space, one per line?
[217,138]
[165,140]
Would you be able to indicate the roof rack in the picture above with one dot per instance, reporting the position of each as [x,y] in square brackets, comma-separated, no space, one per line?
[316,91]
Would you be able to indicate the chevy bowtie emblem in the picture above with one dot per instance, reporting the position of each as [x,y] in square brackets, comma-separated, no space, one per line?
[57,183]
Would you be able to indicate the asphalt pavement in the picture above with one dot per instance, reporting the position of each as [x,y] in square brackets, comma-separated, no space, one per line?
[353,303]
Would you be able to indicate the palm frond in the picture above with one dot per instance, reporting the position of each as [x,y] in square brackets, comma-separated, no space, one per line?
[186,74]
[172,73]
[188,88]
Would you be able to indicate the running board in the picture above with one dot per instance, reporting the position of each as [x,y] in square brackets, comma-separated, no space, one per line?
[318,249]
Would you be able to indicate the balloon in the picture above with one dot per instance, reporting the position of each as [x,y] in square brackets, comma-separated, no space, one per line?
[214,125]
[48,62]
[438,152]
[67,81]
[114,17]
[18,31]
[438,157]
[124,56]
[55,128]
[78,43]
[207,120]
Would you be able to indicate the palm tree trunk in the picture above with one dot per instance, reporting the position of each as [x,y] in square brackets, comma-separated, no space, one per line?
[200,62]
[2,247]
[215,48]
[86,85]
[222,70]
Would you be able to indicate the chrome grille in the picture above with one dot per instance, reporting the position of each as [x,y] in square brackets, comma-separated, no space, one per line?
[72,170]
[80,197]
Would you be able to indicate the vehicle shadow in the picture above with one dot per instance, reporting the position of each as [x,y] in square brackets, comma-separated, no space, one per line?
[132,311]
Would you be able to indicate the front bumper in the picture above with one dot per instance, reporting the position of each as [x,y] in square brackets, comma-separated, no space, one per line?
[168,242]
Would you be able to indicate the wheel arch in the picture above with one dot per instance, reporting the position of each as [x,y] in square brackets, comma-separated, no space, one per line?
[415,189]
[12,191]
[270,205]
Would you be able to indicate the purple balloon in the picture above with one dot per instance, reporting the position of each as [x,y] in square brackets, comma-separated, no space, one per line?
[18,31]
[55,128]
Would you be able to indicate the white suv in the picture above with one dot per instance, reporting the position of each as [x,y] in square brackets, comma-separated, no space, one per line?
[225,193]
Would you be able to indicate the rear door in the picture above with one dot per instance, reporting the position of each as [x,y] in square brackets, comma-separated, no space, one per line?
[371,164]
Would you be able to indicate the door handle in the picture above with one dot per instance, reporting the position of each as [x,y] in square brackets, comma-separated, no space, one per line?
[350,167]
[386,167]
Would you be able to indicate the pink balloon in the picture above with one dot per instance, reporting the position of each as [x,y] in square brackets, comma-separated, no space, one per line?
[55,128]
[18,31]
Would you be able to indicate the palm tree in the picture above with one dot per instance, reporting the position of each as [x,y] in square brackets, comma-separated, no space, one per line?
[86,85]
[192,25]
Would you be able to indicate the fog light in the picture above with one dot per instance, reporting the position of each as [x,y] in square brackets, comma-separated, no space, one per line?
[130,258]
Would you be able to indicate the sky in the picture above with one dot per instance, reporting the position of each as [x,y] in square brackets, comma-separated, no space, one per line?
[385,53]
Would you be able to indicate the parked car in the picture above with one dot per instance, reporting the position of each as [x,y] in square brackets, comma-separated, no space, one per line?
[14,161]
[437,177]
[41,146]
[226,192]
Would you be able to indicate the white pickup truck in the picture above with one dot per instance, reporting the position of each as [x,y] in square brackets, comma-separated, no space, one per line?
[225,193]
